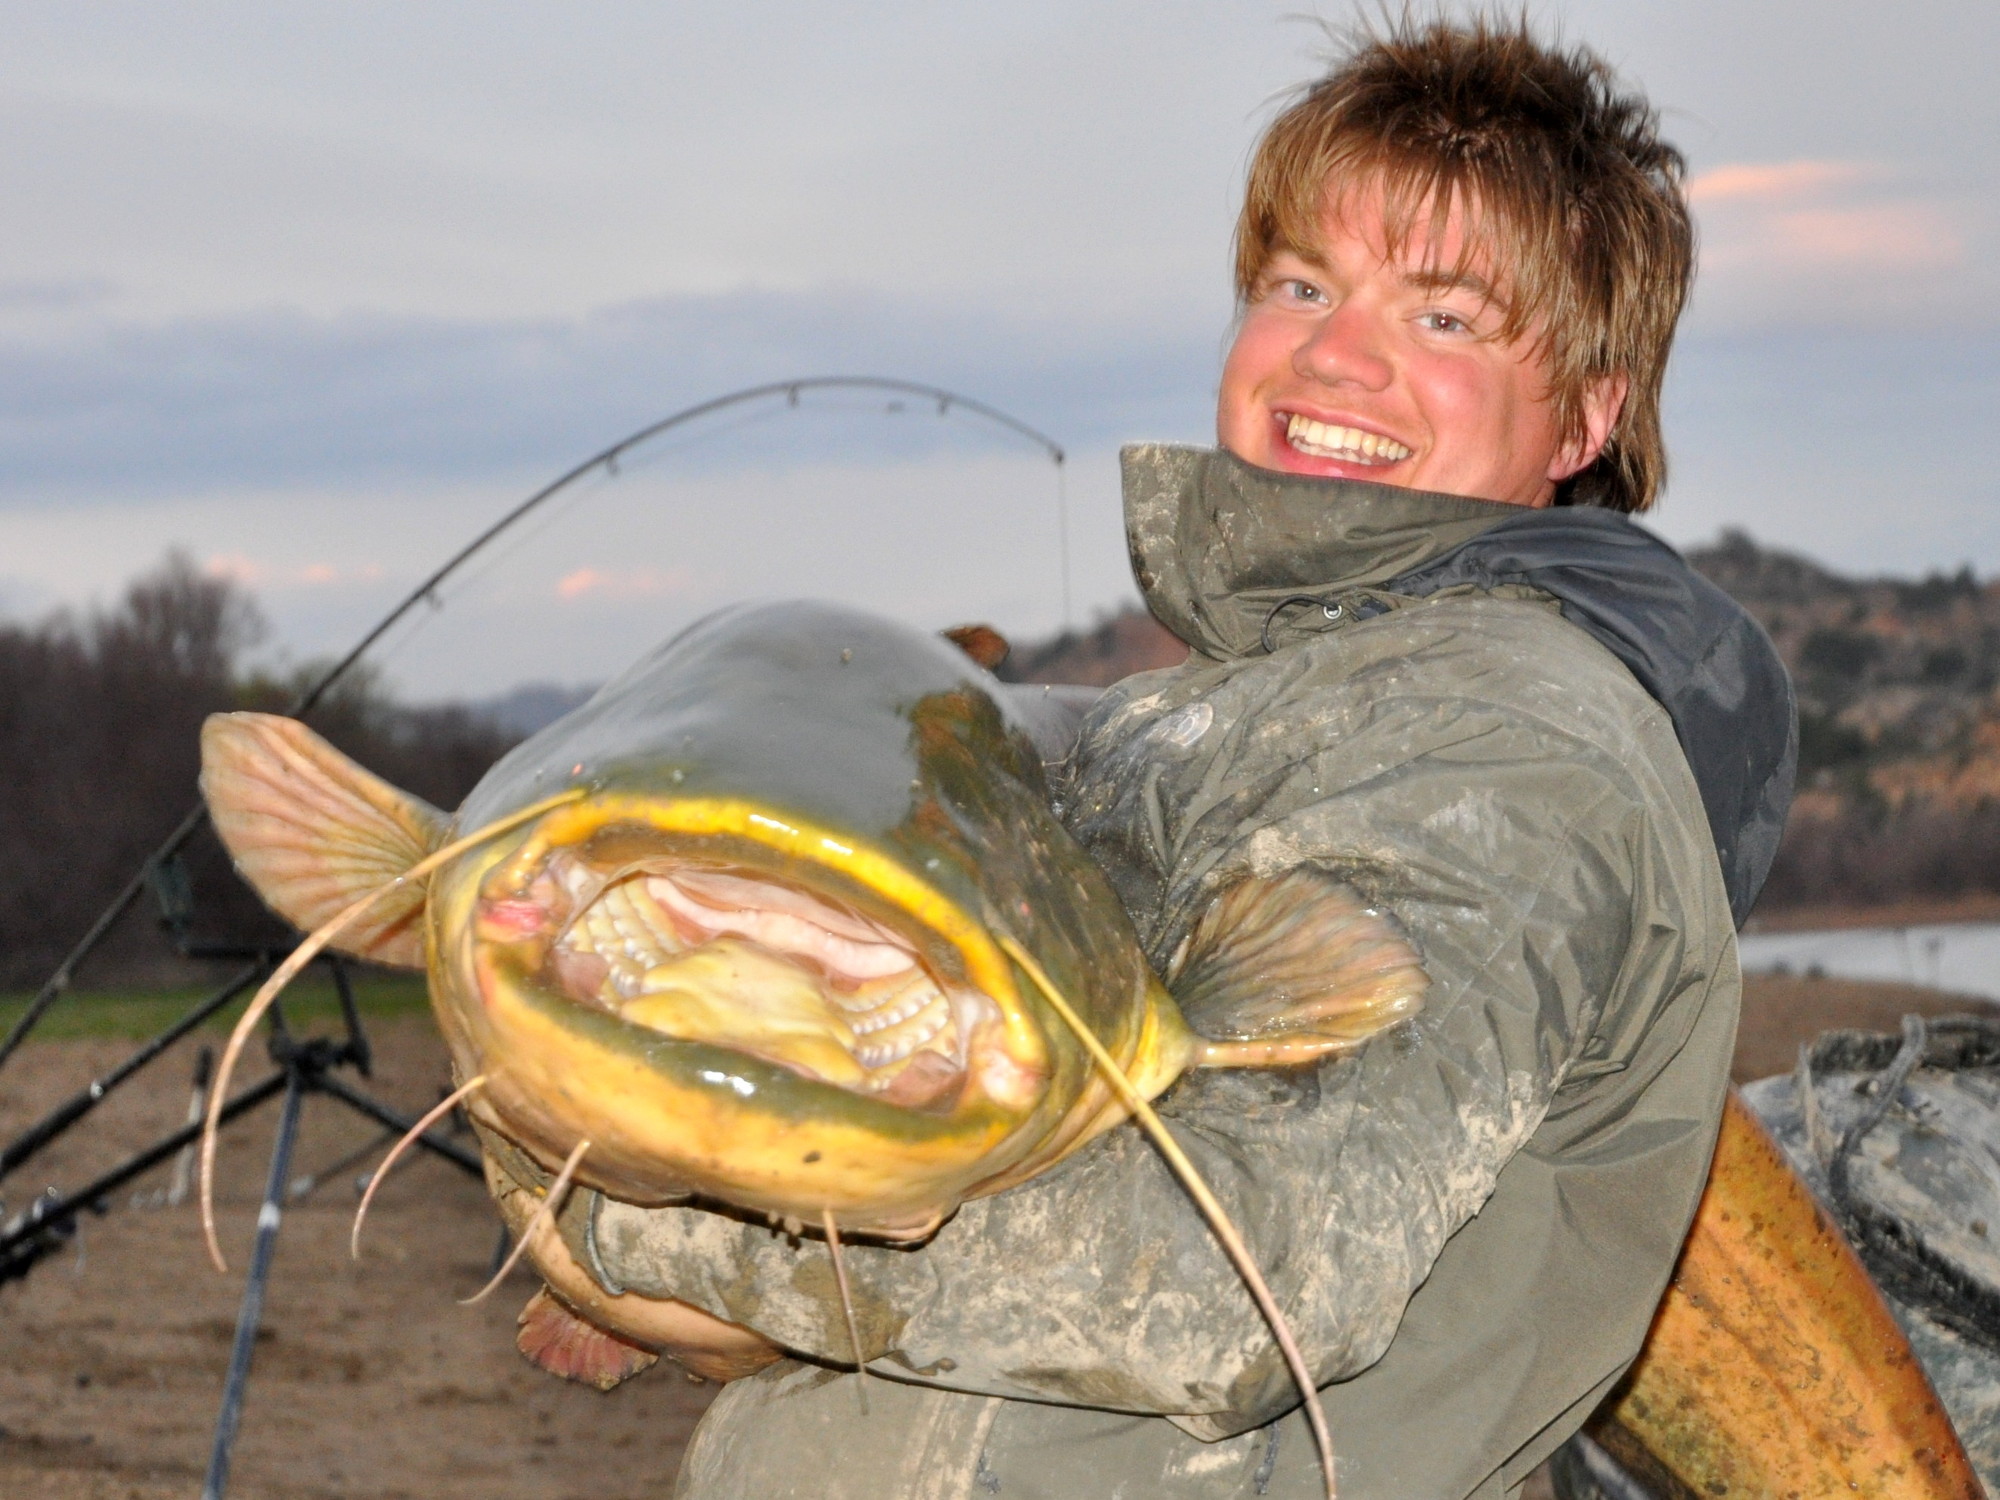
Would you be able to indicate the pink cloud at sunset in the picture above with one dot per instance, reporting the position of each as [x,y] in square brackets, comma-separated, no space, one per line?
[236,568]
[1820,215]
[240,568]
[1767,180]
[632,583]
[1905,236]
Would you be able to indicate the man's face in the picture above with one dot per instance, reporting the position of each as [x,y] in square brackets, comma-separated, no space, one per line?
[1350,364]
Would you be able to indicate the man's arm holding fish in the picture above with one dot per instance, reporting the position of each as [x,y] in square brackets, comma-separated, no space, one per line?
[1515,851]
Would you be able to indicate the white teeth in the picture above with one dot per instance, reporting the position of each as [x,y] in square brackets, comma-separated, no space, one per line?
[628,932]
[868,1002]
[914,998]
[1326,440]
[881,1003]
[921,1028]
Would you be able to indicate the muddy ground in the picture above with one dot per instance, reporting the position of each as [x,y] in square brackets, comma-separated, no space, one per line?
[370,1381]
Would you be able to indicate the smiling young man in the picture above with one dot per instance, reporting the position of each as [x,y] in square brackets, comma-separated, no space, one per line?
[1359,358]
[1431,659]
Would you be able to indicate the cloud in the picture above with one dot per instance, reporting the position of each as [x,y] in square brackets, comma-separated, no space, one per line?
[1889,237]
[258,573]
[630,583]
[272,398]
[236,568]
[1810,216]
[1770,180]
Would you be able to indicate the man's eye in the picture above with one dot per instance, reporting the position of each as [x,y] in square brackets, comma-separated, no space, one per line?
[1438,321]
[1303,291]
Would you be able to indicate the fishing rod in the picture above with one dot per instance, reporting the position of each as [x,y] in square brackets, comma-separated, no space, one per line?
[308,1066]
[606,461]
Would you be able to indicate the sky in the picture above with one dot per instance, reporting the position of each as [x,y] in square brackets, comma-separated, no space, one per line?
[313,292]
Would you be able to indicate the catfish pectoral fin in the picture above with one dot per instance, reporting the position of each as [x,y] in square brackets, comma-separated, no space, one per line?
[556,1340]
[1287,968]
[1773,1366]
[313,832]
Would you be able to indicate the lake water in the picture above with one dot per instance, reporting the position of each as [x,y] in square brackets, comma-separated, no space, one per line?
[1961,956]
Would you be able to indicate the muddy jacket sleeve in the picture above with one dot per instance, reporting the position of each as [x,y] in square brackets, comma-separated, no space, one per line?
[1500,783]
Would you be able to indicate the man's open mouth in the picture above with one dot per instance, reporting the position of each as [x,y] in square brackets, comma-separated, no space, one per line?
[1344,444]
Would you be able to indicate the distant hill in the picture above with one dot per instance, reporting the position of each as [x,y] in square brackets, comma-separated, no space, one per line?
[1899,727]
[530,707]
[1889,671]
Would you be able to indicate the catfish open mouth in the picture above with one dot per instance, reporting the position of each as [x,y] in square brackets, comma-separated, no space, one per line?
[735,957]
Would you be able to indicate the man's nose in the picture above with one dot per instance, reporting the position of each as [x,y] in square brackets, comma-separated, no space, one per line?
[1347,346]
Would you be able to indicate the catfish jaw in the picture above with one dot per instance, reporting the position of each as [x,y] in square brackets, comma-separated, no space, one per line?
[721,1020]
[709,952]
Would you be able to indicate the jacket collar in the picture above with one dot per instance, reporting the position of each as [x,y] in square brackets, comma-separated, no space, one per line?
[1217,543]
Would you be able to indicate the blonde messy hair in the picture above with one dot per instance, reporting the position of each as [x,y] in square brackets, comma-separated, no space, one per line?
[1562,181]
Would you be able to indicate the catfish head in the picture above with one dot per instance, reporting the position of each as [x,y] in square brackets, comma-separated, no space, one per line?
[764,955]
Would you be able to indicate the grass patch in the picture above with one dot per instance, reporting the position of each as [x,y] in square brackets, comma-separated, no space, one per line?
[310,1005]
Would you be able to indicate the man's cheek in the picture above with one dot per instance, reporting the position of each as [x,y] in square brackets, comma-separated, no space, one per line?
[1466,405]
[1242,424]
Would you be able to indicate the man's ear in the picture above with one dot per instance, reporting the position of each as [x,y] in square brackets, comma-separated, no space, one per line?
[1602,402]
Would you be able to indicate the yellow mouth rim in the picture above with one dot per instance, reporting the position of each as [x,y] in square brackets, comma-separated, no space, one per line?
[986,966]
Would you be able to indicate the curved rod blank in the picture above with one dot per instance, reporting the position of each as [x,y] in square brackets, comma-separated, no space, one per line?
[607,460]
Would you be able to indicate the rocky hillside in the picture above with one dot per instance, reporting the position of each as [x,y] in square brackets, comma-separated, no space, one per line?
[1895,676]
[1899,720]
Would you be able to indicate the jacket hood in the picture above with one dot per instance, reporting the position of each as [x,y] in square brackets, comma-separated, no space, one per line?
[1218,545]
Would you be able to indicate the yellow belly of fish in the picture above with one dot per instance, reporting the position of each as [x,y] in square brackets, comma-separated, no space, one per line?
[1773,1366]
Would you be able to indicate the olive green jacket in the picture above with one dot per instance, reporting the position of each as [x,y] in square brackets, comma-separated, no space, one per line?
[1468,1222]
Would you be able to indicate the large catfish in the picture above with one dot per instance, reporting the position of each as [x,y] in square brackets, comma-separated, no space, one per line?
[766,955]
[787,947]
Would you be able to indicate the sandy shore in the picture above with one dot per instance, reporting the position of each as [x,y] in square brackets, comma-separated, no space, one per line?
[370,1381]
[1975,908]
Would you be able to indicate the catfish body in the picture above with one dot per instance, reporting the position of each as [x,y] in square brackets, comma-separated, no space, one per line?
[758,958]
[804,751]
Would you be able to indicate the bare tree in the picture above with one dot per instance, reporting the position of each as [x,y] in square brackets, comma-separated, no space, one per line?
[99,751]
